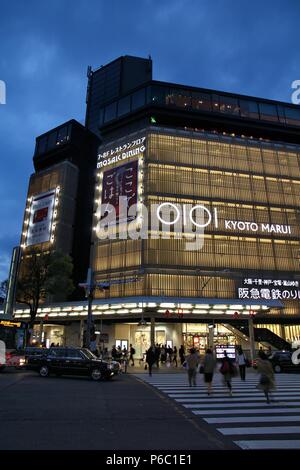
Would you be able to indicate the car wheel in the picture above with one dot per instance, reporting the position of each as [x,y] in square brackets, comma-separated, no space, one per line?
[44,371]
[277,369]
[96,374]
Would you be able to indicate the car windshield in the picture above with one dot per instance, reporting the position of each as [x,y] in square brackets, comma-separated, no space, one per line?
[89,354]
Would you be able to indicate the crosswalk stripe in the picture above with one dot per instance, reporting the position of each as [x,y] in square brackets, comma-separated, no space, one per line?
[269,444]
[246,411]
[228,399]
[260,430]
[235,405]
[252,419]
[246,408]
[250,393]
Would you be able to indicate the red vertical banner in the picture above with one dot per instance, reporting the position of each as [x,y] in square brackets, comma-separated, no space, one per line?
[121,181]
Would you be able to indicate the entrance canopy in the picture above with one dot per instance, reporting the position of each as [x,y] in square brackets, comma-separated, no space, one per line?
[160,307]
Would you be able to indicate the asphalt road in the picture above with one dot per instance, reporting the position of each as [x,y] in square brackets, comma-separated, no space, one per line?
[77,413]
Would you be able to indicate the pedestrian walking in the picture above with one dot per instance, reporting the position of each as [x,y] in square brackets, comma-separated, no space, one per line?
[157,354]
[228,371]
[163,354]
[241,361]
[267,380]
[114,353]
[174,359]
[192,361]
[209,364]
[131,354]
[124,359]
[181,354]
[150,358]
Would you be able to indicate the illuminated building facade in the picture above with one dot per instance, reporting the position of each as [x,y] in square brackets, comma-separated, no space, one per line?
[180,151]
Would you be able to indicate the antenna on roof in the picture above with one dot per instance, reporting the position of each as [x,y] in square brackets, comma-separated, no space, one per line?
[89,71]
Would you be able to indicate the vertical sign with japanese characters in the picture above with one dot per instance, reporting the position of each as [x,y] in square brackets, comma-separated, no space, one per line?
[41,211]
[120,182]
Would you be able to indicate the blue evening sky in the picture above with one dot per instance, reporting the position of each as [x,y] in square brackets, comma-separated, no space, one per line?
[242,46]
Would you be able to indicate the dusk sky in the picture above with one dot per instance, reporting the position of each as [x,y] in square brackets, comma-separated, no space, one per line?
[46,46]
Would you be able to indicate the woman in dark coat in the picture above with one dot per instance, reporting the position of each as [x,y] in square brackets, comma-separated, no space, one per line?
[182,354]
[228,371]
[150,358]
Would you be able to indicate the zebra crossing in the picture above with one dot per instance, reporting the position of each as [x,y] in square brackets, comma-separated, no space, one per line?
[244,417]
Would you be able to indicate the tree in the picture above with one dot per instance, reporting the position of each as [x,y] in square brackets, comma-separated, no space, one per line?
[3,291]
[44,276]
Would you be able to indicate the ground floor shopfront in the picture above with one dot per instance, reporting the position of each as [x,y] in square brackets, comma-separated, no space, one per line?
[198,335]
[141,321]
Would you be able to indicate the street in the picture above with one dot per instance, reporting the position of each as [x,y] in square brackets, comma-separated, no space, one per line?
[135,411]
[76,413]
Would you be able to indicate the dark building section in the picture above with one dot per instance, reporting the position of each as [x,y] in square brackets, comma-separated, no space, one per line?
[198,109]
[111,82]
[73,147]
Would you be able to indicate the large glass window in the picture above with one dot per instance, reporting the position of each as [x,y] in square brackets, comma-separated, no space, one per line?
[42,145]
[63,135]
[52,139]
[268,112]
[158,95]
[249,109]
[215,102]
[229,105]
[180,98]
[292,116]
[124,106]
[201,101]
[110,112]
[280,110]
[138,99]
[101,116]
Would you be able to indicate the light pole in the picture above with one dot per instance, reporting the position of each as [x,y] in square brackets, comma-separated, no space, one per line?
[90,286]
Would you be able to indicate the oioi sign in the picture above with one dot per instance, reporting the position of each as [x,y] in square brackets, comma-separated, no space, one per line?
[168,219]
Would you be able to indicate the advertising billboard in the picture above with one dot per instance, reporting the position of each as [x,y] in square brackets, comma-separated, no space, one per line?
[41,213]
[120,182]
[257,288]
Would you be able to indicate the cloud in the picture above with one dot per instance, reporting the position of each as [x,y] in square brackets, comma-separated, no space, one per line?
[38,58]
